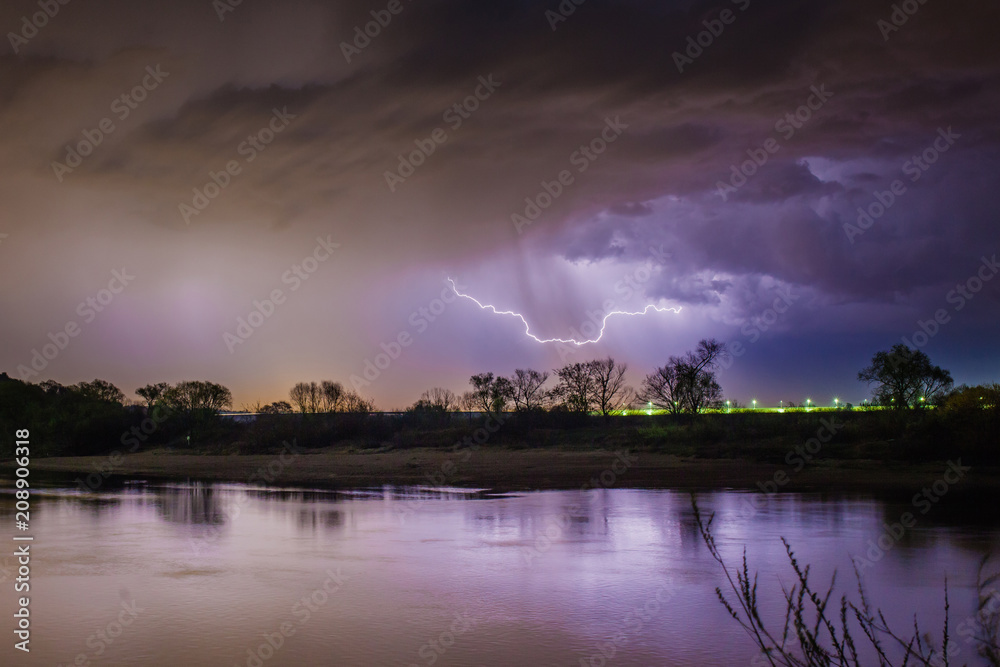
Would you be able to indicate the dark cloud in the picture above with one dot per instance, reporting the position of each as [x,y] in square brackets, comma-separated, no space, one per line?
[656,185]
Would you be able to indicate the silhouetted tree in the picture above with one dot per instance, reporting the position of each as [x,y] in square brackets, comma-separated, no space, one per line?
[197,395]
[53,387]
[687,384]
[491,393]
[277,408]
[151,393]
[661,388]
[575,388]
[527,385]
[101,390]
[438,398]
[306,396]
[357,404]
[608,390]
[468,401]
[332,396]
[903,376]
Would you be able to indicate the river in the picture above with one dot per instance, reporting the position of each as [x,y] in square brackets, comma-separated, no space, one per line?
[224,574]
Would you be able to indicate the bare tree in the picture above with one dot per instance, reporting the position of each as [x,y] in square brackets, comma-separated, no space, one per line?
[687,384]
[468,401]
[491,393]
[662,387]
[575,387]
[332,394]
[354,402]
[527,384]
[608,390]
[439,398]
[701,391]
[306,396]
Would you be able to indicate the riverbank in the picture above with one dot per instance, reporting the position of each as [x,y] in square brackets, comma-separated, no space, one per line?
[502,469]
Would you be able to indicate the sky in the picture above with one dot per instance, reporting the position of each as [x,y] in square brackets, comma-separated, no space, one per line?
[808,181]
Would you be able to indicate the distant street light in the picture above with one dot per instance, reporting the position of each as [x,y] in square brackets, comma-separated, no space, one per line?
[755,404]
[727,406]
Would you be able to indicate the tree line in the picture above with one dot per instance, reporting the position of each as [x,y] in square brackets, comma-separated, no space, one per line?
[900,378]
[95,416]
[316,397]
[684,384]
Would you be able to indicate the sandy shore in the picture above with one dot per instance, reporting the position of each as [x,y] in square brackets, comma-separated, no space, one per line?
[502,470]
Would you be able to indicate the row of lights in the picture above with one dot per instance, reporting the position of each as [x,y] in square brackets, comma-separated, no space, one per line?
[808,406]
[836,404]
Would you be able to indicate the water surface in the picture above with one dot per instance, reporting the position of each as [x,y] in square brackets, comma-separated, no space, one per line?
[196,574]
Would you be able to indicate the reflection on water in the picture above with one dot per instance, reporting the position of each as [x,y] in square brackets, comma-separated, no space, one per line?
[222,574]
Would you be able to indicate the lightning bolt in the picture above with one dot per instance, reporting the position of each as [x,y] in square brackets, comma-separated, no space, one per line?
[527,328]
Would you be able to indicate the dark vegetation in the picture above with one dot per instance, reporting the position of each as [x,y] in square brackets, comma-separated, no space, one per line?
[822,630]
[66,422]
[589,407]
